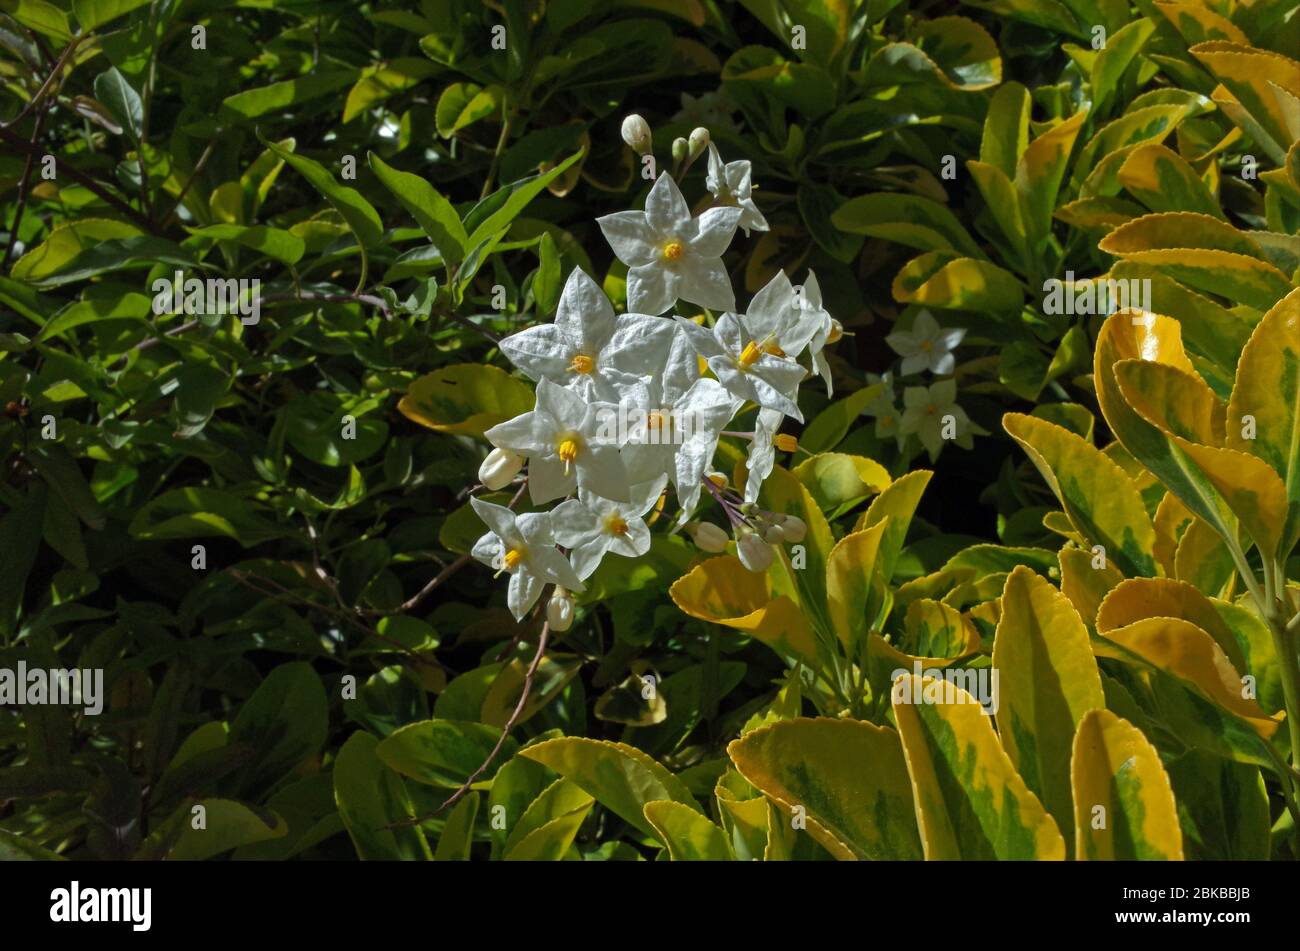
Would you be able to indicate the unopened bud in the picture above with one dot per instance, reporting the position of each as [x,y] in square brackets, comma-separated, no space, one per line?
[559,610]
[717,478]
[500,468]
[773,534]
[785,442]
[755,554]
[636,133]
[794,528]
[707,536]
[681,149]
[699,141]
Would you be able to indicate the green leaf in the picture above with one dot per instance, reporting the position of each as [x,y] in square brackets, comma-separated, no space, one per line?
[228,825]
[1101,501]
[970,801]
[1267,390]
[466,399]
[284,722]
[462,104]
[848,776]
[92,14]
[198,513]
[458,831]
[370,797]
[277,97]
[897,504]
[688,836]
[620,777]
[387,79]
[434,214]
[1048,680]
[825,431]
[944,279]
[1124,806]
[444,752]
[906,219]
[117,95]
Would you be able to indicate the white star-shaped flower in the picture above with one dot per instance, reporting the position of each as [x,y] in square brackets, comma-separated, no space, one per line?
[675,419]
[730,184]
[587,344]
[670,254]
[568,442]
[589,526]
[883,408]
[926,412]
[927,346]
[750,369]
[762,455]
[524,547]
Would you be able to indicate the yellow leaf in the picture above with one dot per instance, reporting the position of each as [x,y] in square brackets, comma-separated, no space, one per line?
[1124,805]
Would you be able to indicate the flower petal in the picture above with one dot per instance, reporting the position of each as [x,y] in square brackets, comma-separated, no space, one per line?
[629,233]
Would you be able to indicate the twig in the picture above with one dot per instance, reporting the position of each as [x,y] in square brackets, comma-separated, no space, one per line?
[501,740]
[18,142]
[198,170]
[23,189]
[150,342]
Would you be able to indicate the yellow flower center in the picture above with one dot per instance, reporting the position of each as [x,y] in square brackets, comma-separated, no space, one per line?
[749,356]
[615,525]
[774,350]
[927,346]
[582,364]
[837,331]
[512,559]
[673,250]
[785,442]
[656,420]
[568,451]
[930,409]
[718,479]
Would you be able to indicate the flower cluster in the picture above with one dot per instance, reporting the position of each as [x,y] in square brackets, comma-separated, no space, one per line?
[628,404]
[928,411]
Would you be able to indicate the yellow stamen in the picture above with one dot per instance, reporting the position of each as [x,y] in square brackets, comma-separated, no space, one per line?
[656,420]
[930,409]
[582,364]
[673,250]
[774,349]
[510,561]
[837,331]
[927,345]
[749,356]
[615,525]
[785,442]
[718,479]
[568,451]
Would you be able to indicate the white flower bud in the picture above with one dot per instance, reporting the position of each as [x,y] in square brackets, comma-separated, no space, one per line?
[707,536]
[794,528]
[636,133]
[699,141]
[773,534]
[755,554]
[559,610]
[499,468]
[681,149]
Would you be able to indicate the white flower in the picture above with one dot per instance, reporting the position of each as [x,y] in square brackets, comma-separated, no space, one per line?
[927,411]
[927,346]
[883,408]
[587,346]
[707,536]
[762,456]
[793,528]
[524,547]
[730,184]
[500,468]
[712,109]
[670,254]
[751,369]
[568,443]
[559,610]
[754,553]
[590,526]
[676,419]
[824,328]
[636,133]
